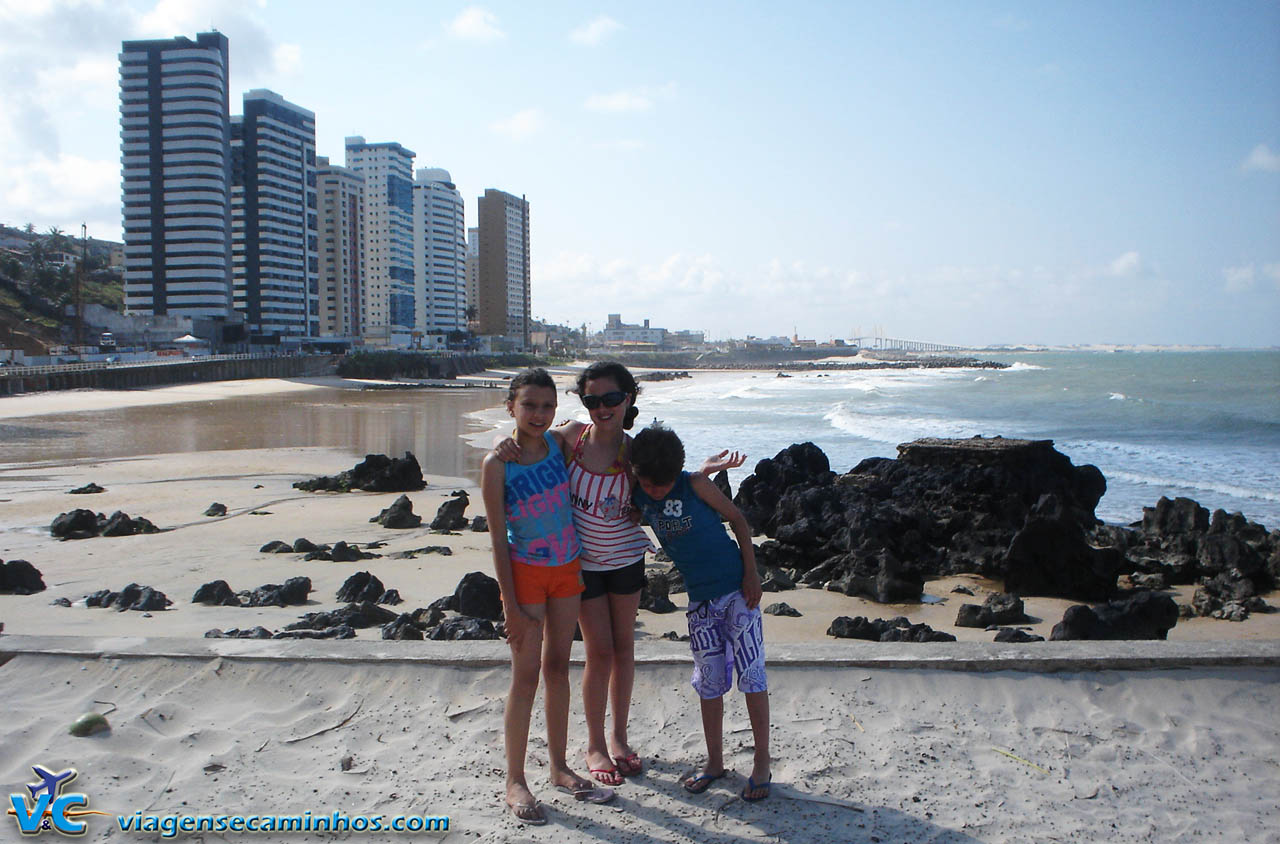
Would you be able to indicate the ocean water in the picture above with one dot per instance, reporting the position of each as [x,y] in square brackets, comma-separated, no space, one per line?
[1204,425]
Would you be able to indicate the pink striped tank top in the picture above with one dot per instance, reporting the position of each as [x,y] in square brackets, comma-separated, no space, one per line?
[602,513]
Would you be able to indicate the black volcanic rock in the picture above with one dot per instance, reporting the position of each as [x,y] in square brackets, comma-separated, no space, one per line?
[880,630]
[216,509]
[339,631]
[944,507]
[131,597]
[782,608]
[376,473]
[998,608]
[1143,615]
[216,593]
[1012,635]
[88,489]
[463,628]
[258,632]
[276,546]
[656,592]
[363,614]
[403,628]
[78,524]
[477,595]
[83,524]
[19,577]
[293,592]
[399,515]
[361,586]
[452,513]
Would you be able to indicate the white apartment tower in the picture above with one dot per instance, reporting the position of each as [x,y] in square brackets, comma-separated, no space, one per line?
[389,296]
[175,138]
[503,300]
[439,229]
[341,250]
[274,217]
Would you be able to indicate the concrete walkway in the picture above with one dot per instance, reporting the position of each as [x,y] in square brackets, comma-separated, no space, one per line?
[946,656]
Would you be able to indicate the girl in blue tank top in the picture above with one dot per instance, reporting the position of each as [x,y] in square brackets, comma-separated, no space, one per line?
[535,559]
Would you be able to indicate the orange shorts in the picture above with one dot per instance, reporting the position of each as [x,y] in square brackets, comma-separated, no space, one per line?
[535,584]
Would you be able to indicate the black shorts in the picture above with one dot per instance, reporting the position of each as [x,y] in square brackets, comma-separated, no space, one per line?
[620,581]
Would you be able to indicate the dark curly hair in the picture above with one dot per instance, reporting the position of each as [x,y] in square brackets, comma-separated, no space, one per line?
[621,375]
[532,377]
[657,454]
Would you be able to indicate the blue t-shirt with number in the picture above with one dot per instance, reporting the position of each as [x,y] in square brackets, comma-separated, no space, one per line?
[695,539]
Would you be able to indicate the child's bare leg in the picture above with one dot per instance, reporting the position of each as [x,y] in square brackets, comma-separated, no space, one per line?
[597,637]
[526,661]
[562,616]
[622,615]
[758,712]
[713,730]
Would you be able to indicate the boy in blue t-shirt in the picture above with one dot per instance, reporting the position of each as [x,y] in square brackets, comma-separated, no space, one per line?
[725,628]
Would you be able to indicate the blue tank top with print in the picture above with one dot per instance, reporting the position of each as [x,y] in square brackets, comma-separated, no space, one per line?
[539,519]
[694,538]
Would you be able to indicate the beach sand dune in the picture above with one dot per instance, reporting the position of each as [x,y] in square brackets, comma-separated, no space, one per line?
[860,754]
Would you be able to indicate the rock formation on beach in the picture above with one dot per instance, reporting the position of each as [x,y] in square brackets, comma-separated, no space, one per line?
[19,577]
[376,473]
[132,597]
[1012,510]
[84,524]
[399,515]
[452,513]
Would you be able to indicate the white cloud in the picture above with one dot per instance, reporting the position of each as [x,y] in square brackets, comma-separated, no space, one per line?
[1262,158]
[1126,265]
[594,32]
[619,101]
[288,59]
[63,190]
[1272,271]
[520,125]
[621,145]
[1239,279]
[475,24]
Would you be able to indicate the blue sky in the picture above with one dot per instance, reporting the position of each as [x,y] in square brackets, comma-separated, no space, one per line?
[964,173]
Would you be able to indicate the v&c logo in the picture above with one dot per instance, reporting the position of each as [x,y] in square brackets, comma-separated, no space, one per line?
[48,808]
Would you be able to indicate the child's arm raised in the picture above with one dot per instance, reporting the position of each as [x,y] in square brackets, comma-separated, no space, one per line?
[518,623]
[724,460]
[716,500]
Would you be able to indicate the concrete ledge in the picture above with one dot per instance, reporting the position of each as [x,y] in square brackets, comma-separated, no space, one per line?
[943,656]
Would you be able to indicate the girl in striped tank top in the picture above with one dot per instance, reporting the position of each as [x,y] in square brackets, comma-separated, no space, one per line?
[613,548]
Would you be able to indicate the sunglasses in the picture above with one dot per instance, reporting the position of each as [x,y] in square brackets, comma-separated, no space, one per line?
[613,399]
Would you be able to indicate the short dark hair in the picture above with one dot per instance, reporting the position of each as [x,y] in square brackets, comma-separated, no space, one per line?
[532,377]
[621,375]
[657,454]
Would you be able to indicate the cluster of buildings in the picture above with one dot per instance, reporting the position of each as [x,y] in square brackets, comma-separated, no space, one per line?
[237,223]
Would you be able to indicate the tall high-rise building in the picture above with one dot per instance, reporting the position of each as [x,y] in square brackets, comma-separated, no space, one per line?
[273,216]
[440,253]
[387,168]
[341,193]
[175,142]
[503,295]
[473,276]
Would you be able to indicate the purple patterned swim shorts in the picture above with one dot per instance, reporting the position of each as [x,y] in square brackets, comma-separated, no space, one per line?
[724,633]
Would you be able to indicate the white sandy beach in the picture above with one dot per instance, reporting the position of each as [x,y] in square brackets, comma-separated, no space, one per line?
[861,754]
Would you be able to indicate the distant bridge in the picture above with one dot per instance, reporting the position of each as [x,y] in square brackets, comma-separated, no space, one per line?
[891,344]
